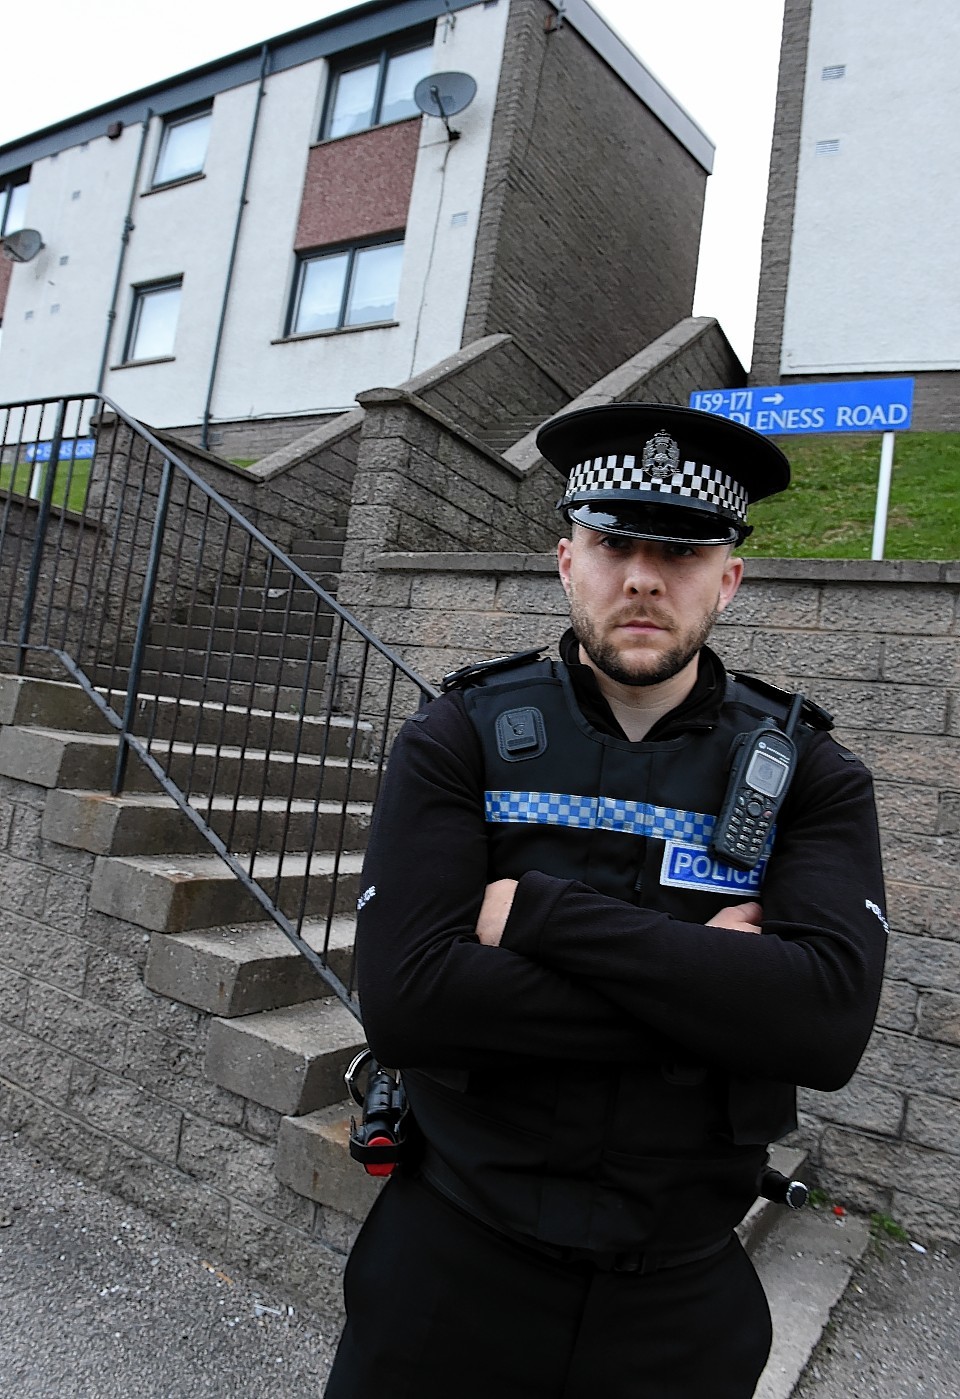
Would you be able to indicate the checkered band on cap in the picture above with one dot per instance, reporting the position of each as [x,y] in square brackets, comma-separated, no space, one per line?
[692,481]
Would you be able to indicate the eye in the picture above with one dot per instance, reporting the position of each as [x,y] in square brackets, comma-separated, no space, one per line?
[681,551]
[615,542]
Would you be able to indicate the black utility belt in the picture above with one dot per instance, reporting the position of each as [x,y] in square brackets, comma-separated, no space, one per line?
[638,1262]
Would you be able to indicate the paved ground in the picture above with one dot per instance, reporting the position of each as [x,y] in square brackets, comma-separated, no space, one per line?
[98,1301]
[896,1333]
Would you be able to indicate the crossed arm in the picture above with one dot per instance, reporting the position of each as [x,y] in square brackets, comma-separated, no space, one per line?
[498,901]
[455,971]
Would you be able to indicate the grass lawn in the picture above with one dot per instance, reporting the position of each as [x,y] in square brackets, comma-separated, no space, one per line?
[828,510]
[826,513]
[69,487]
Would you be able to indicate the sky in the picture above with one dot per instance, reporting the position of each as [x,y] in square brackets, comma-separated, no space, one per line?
[718,60]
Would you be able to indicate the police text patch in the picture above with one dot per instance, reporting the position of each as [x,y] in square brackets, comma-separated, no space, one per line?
[693,867]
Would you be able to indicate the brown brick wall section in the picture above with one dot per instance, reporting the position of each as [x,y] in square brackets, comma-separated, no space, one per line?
[590,224]
[781,194]
[358,186]
[6,271]
[879,645]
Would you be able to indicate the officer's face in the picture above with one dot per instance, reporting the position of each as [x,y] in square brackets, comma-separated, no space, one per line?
[641,608]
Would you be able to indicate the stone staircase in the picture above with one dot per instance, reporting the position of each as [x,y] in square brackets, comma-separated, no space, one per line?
[278,1037]
[249,647]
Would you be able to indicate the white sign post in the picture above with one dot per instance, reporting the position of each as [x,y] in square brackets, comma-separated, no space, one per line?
[883,496]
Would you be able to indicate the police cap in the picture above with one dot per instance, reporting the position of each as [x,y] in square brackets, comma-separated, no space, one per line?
[657,471]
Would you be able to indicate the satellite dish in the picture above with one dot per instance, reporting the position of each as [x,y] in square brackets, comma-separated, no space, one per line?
[443,94]
[21,246]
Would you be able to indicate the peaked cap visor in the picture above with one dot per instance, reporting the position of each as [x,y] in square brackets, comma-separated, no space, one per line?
[755,466]
[670,524]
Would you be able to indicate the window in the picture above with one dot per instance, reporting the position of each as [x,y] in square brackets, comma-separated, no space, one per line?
[183,147]
[346,287]
[153,323]
[376,89]
[13,205]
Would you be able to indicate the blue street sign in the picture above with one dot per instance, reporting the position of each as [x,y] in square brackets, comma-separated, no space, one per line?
[856,405]
[71,449]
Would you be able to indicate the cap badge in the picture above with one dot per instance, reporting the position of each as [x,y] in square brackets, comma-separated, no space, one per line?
[661,456]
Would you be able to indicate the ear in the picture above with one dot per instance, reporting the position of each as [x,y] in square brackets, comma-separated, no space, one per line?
[729,582]
[564,559]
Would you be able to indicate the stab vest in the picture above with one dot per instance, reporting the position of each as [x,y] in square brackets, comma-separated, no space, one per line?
[660,1152]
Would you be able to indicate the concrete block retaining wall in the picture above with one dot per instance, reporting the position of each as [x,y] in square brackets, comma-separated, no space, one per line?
[879,645]
[107,1077]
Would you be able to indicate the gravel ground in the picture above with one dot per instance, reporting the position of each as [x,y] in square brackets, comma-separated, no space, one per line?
[99,1301]
[896,1331]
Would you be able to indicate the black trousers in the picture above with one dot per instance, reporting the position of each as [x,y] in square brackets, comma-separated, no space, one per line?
[440,1306]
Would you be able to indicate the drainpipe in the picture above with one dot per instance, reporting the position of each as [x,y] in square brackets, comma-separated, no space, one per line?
[124,240]
[205,432]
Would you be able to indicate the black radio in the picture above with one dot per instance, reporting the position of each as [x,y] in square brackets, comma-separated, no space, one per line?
[763,764]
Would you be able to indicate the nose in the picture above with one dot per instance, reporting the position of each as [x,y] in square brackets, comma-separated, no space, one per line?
[643,574]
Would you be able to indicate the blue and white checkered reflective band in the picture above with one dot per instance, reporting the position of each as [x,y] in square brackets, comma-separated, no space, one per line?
[599,813]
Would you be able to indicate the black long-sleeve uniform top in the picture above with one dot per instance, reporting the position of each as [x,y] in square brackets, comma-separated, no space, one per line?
[583,977]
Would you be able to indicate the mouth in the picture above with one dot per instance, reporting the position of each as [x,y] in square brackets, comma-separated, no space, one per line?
[641,626]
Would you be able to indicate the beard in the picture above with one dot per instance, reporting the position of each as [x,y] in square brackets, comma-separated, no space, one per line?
[641,669]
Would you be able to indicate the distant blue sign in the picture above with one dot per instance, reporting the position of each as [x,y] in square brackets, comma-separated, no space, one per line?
[71,449]
[856,405]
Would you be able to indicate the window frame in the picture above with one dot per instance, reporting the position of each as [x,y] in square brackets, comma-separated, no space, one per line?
[168,122]
[7,187]
[353,249]
[141,291]
[381,54]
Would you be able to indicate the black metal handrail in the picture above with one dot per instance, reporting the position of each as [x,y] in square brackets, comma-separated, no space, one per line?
[260,705]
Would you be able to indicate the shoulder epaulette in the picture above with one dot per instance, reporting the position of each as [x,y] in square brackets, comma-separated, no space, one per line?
[479,670]
[776,700]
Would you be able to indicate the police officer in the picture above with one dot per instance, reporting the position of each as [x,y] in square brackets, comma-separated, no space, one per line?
[603,948]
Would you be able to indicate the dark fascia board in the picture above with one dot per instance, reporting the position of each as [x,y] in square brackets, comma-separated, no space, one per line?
[361,24]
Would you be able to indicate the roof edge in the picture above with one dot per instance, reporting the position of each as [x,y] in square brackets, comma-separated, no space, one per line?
[604,39]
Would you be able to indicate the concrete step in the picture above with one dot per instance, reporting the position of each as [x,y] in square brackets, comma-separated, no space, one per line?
[64,706]
[291,1060]
[280,576]
[200,891]
[245,970]
[313,1158]
[147,823]
[324,560]
[48,758]
[279,593]
[805,1264]
[308,622]
[196,640]
[320,535]
[282,699]
[264,670]
[59,704]
[235,724]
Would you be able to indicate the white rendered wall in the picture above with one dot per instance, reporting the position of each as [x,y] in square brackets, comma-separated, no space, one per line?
[259,378]
[55,318]
[183,230]
[187,230]
[873,283]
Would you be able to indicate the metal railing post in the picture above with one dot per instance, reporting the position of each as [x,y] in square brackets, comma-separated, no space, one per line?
[143,622]
[43,515]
